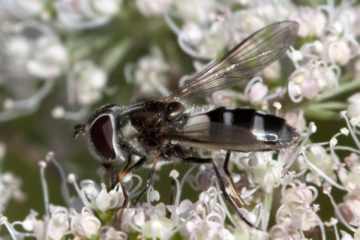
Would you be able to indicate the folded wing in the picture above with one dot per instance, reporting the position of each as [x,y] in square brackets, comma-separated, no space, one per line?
[244,61]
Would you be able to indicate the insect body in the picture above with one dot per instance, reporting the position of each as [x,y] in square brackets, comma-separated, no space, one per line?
[162,128]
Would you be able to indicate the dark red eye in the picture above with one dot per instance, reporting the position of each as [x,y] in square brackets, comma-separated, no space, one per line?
[101,135]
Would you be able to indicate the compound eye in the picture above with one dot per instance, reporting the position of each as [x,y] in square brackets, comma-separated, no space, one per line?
[174,110]
[101,135]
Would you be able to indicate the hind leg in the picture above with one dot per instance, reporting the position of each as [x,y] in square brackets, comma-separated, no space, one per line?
[228,187]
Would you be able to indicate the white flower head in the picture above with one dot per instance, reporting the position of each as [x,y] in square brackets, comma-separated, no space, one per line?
[150,73]
[36,55]
[50,62]
[80,14]
[22,9]
[306,17]
[89,82]
[84,224]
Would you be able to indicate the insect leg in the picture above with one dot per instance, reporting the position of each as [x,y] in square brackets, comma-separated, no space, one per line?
[228,188]
[129,168]
[197,160]
[110,174]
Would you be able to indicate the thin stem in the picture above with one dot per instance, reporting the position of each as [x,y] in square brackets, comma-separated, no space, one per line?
[344,88]
[336,231]
[64,184]
[72,180]
[4,221]
[322,228]
[338,213]
[45,191]
[44,187]
[268,200]
[321,173]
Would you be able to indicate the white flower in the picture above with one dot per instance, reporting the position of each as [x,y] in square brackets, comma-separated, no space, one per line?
[59,222]
[90,189]
[306,17]
[89,81]
[200,11]
[340,52]
[350,207]
[32,224]
[266,171]
[296,119]
[158,227]
[353,109]
[22,9]
[84,224]
[109,233]
[200,229]
[257,92]
[150,221]
[296,212]
[107,7]
[350,176]
[273,71]
[50,62]
[183,211]
[39,54]
[192,33]
[225,98]
[298,195]
[100,198]
[153,7]
[150,73]
[109,200]
[10,188]
[311,79]
[318,156]
[82,14]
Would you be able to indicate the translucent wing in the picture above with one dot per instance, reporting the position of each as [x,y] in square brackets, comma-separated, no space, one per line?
[244,61]
[243,130]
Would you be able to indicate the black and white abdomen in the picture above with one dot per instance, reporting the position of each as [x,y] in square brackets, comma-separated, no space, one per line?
[237,129]
[264,127]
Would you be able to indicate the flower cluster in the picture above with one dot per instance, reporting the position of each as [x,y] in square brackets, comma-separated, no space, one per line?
[35,58]
[10,185]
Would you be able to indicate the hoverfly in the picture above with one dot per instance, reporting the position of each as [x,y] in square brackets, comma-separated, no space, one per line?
[162,129]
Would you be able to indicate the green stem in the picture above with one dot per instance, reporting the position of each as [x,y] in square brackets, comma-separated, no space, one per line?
[328,106]
[268,200]
[114,55]
[344,88]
